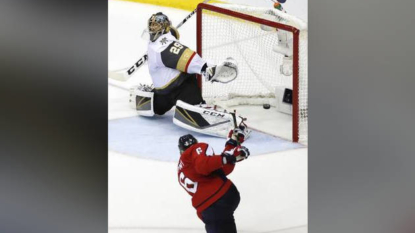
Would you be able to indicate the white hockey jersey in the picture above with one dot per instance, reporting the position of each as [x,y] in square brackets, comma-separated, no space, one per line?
[170,62]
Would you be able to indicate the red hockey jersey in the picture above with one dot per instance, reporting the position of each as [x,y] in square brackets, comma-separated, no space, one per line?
[202,174]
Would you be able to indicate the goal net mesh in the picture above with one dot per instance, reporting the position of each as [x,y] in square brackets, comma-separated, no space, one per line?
[224,35]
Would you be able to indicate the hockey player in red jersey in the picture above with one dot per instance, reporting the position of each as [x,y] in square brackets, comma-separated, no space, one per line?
[202,173]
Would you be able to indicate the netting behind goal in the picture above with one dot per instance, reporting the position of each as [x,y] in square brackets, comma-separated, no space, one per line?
[227,30]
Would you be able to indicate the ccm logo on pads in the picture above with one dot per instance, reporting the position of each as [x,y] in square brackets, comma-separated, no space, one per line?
[213,113]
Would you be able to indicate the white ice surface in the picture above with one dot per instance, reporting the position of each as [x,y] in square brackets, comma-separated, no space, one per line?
[144,195]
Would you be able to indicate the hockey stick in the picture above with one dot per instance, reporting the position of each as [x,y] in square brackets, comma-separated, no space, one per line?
[128,72]
[242,126]
[234,119]
[235,122]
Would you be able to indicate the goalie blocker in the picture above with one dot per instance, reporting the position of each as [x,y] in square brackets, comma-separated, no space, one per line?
[206,120]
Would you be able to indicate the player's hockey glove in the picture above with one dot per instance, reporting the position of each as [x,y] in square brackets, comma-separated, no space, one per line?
[228,158]
[236,136]
[241,153]
[235,155]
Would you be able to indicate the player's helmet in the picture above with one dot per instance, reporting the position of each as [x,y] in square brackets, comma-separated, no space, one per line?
[186,141]
[158,24]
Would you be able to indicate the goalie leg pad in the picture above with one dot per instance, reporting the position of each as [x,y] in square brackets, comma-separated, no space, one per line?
[203,120]
[142,102]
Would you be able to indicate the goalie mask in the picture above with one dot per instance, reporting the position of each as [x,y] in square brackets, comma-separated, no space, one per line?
[186,141]
[158,24]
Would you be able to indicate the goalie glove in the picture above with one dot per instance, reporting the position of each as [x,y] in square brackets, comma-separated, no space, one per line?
[224,73]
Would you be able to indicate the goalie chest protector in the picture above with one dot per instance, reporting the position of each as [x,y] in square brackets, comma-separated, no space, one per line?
[169,62]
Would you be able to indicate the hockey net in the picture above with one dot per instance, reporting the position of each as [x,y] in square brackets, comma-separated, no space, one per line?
[228,30]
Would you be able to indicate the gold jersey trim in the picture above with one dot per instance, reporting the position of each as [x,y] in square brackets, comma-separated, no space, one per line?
[184,60]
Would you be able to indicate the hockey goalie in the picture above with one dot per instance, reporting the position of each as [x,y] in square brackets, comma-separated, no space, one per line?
[173,68]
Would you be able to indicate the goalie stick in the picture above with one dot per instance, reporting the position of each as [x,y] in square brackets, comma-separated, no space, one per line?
[128,72]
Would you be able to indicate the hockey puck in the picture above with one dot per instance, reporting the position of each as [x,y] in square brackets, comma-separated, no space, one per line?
[266,106]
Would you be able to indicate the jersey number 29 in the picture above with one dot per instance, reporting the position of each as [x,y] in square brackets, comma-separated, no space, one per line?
[187,183]
[176,48]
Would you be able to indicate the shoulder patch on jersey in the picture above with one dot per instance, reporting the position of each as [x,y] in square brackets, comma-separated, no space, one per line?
[200,148]
[163,41]
[204,148]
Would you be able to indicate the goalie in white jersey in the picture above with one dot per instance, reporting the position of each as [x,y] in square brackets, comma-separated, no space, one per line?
[173,68]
